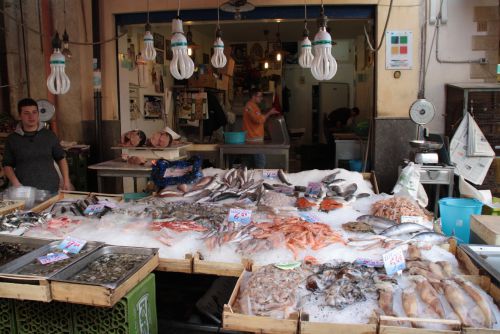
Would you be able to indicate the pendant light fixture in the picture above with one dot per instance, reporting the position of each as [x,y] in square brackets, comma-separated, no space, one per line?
[306,57]
[324,66]
[65,42]
[149,52]
[191,45]
[181,66]
[219,59]
[266,53]
[279,55]
[58,82]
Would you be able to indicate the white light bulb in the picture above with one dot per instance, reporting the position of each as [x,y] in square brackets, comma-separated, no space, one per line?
[58,82]
[306,57]
[266,64]
[190,51]
[278,56]
[219,59]
[323,66]
[149,52]
[181,65]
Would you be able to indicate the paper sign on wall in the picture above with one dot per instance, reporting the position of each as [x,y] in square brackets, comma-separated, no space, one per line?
[398,50]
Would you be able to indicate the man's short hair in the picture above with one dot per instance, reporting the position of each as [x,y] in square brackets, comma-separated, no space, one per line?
[355,110]
[26,102]
[255,91]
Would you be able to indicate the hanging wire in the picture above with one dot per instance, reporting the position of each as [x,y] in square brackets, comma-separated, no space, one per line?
[179,8]
[147,19]
[64,14]
[35,31]
[370,46]
[218,11]
[305,15]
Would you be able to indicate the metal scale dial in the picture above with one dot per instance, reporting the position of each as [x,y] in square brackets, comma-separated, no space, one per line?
[422,112]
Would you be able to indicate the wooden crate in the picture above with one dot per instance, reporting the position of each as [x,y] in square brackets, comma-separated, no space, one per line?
[219,268]
[17,205]
[177,265]
[257,324]
[65,195]
[486,228]
[373,180]
[25,288]
[310,327]
[95,295]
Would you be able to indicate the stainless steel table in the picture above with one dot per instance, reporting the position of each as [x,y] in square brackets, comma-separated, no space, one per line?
[119,168]
[253,148]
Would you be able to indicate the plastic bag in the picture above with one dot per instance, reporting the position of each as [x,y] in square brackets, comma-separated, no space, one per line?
[409,184]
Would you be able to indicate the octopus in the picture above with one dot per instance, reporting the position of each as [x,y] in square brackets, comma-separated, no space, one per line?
[303,204]
[329,204]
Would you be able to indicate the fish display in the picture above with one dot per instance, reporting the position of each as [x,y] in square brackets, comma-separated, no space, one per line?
[17,219]
[10,251]
[395,207]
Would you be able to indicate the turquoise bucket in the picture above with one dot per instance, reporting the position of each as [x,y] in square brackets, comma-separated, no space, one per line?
[455,216]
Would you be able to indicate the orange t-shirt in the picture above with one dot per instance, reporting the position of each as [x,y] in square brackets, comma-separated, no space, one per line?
[253,122]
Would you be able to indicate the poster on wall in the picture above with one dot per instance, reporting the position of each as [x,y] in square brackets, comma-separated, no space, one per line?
[153,106]
[398,50]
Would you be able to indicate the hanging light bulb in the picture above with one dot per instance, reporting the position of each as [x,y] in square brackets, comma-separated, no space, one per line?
[219,59]
[65,43]
[306,57]
[181,66]
[323,66]
[149,51]
[58,82]
[266,64]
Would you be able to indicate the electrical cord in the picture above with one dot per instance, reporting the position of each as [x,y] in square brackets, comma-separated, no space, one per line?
[442,61]
[35,31]
[370,46]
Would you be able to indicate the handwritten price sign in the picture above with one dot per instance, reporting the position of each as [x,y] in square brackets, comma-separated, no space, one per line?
[241,216]
[71,245]
[269,174]
[394,261]
[52,257]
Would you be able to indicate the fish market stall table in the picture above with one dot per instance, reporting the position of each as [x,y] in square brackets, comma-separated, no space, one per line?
[254,148]
[119,168]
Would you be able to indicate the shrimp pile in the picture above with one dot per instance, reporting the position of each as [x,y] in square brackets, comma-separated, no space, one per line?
[395,207]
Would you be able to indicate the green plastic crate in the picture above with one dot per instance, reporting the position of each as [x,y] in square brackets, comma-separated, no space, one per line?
[133,314]
[7,318]
[488,210]
[38,317]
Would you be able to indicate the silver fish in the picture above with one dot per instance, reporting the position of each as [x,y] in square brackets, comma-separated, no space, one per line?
[404,228]
[283,178]
[375,221]
[431,237]
[329,178]
[362,195]
[196,192]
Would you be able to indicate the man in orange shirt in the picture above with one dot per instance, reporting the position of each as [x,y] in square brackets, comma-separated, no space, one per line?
[253,123]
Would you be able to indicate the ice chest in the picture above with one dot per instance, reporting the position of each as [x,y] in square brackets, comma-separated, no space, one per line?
[485,229]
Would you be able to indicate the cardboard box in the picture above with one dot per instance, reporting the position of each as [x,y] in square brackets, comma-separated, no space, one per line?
[209,81]
[229,68]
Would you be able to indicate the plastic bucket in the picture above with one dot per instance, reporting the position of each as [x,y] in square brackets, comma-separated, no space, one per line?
[234,137]
[355,165]
[455,216]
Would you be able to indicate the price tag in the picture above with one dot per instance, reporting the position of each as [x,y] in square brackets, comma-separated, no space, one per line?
[313,189]
[309,217]
[94,209]
[109,204]
[394,261]
[288,265]
[370,263]
[270,174]
[241,216]
[412,219]
[52,257]
[71,245]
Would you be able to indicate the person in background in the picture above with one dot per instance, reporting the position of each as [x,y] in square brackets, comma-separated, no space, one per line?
[30,153]
[253,123]
[342,119]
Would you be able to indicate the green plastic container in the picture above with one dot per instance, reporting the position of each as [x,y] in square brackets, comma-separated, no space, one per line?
[234,137]
[38,317]
[133,314]
[455,216]
[7,317]
[488,210]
